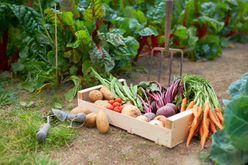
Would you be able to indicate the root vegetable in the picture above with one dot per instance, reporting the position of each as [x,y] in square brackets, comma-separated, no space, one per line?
[163,119]
[173,106]
[150,115]
[166,111]
[102,103]
[95,95]
[142,118]
[78,109]
[131,110]
[102,122]
[90,120]
[106,93]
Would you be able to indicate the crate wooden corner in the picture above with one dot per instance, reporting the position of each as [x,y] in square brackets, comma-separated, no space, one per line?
[170,136]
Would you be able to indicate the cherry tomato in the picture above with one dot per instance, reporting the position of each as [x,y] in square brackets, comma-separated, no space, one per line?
[117,109]
[118,100]
[111,101]
[121,107]
[111,107]
[116,104]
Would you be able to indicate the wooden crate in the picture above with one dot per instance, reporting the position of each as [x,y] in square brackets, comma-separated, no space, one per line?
[171,135]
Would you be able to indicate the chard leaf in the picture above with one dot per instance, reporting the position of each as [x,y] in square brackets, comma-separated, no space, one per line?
[147,32]
[236,122]
[69,95]
[102,57]
[67,18]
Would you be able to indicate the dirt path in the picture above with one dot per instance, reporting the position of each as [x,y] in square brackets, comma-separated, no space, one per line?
[119,147]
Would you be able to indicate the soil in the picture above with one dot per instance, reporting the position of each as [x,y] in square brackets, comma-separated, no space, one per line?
[120,147]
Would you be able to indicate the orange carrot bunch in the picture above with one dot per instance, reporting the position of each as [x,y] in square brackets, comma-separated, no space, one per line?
[208,117]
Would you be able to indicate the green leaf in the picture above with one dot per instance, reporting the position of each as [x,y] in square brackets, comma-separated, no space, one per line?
[239,87]
[224,152]
[147,32]
[115,39]
[132,45]
[67,18]
[181,32]
[213,23]
[69,95]
[101,57]
[156,13]
[82,37]
[236,122]
[27,17]
[95,12]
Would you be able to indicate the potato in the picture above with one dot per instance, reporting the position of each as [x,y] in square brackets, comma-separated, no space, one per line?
[163,119]
[90,120]
[102,103]
[78,110]
[102,123]
[95,95]
[131,110]
[106,93]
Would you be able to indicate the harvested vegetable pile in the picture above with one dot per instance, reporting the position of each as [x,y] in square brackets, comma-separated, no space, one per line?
[207,112]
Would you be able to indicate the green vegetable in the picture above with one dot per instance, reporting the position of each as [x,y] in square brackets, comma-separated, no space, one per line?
[230,145]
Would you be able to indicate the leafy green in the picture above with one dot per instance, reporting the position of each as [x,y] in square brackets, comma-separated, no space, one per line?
[224,152]
[230,146]
[239,87]
[69,95]
[236,122]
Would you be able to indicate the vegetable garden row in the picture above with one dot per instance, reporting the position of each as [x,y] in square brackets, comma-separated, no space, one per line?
[48,42]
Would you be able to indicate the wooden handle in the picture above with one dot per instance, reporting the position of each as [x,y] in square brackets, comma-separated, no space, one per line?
[168,22]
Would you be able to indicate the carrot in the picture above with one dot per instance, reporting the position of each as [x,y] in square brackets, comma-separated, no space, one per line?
[193,127]
[205,124]
[215,120]
[212,127]
[191,104]
[201,132]
[205,132]
[195,113]
[219,115]
[183,105]
[199,112]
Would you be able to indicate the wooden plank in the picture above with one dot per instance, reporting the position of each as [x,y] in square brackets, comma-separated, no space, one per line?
[157,134]
[180,127]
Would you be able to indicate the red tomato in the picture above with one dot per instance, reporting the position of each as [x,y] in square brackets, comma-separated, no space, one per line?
[118,100]
[116,104]
[117,109]
[121,107]
[111,107]
[111,101]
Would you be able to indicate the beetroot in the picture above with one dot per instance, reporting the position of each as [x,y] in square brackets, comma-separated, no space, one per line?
[166,111]
[149,115]
[173,106]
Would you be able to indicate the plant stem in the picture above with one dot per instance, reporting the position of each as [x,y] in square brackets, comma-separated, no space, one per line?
[56,47]
[43,20]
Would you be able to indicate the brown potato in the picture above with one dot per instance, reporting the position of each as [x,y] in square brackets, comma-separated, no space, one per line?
[95,95]
[78,110]
[106,93]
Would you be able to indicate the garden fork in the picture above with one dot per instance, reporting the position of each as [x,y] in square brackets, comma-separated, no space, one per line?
[166,50]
